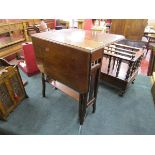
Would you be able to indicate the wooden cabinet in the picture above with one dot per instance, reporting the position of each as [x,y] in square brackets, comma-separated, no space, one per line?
[132,29]
[12,91]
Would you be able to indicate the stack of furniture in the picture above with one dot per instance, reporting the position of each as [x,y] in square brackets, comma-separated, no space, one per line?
[120,65]
[28,65]
[12,90]
[11,37]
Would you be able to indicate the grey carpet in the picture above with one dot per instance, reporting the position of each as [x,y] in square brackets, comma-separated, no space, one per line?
[57,114]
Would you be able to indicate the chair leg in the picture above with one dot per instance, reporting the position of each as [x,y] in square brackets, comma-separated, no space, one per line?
[43,85]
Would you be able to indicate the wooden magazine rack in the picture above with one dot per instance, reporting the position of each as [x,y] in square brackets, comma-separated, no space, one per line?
[120,65]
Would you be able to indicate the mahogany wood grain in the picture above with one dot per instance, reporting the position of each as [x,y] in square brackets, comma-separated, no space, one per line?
[65,55]
[73,57]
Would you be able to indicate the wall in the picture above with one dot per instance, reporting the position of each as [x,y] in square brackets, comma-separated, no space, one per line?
[151,22]
[10,20]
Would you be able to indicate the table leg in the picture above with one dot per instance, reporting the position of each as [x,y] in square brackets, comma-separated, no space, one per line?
[96,89]
[43,84]
[82,107]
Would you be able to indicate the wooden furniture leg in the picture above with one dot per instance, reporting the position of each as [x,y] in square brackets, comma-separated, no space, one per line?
[96,89]
[89,98]
[43,84]
[153,92]
[82,108]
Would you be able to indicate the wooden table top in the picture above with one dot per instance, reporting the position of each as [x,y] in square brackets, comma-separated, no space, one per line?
[84,40]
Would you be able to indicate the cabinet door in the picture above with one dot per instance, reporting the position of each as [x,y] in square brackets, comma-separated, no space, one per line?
[6,101]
